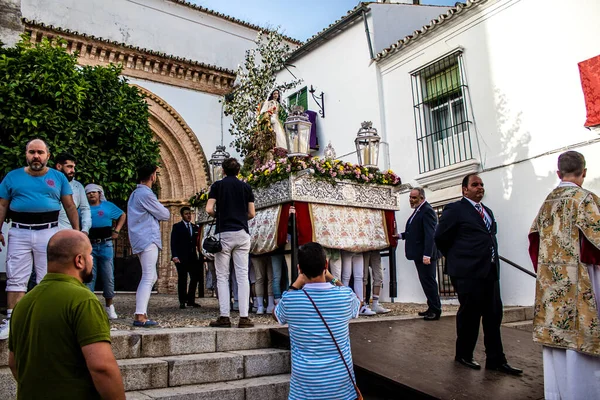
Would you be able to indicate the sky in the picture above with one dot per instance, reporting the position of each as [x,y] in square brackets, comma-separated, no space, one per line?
[298,19]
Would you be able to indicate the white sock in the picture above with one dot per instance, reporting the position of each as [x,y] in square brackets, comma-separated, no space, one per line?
[271,301]
[260,302]
[8,313]
[375,301]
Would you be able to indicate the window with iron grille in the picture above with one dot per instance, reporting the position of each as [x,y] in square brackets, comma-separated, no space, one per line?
[444,284]
[441,115]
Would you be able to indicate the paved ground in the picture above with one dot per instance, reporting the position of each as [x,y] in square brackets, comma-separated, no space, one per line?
[165,310]
[422,359]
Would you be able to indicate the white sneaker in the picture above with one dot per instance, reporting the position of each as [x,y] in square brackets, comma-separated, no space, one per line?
[260,310]
[4,328]
[379,309]
[366,311]
[110,311]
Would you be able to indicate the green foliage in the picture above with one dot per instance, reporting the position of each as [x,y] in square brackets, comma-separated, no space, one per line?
[90,112]
[256,80]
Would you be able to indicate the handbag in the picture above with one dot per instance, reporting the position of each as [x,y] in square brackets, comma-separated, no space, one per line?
[211,243]
[358,393]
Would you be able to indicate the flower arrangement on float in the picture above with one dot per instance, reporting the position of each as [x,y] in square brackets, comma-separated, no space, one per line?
[324,169]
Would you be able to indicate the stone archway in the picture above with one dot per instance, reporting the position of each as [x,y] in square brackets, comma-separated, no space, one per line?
[184,170]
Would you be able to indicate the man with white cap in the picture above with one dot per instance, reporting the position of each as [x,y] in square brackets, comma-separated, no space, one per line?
[102,235]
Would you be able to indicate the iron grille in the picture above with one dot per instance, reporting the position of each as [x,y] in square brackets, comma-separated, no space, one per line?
[441,115]
[444,285]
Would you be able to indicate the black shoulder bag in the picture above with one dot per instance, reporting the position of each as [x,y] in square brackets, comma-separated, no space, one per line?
[211,243]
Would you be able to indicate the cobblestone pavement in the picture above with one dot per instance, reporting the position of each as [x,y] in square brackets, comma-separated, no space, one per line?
[165,310]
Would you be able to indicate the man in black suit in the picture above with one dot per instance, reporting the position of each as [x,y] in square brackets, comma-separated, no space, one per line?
[185,257]
[466,236]
[420,247]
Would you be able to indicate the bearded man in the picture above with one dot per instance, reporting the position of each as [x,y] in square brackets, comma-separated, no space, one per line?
[33,195]
[66,163]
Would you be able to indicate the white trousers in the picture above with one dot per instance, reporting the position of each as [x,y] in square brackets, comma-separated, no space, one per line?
[353,264]
[236,246]
[148,259]
[26,248]
[569,375]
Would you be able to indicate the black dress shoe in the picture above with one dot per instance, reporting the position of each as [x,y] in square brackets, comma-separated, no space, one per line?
[431,316]
[424,313]
[506,368]
[471,363]
[195,305]
[182,306]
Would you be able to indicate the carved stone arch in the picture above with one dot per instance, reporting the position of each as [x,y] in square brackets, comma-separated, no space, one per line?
[184,170]
[184,164]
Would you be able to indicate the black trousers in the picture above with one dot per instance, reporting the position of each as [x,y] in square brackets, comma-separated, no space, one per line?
[187,294]
[479,301]
[429,284]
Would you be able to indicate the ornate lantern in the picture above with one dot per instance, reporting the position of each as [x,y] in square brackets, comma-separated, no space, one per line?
[367,145]
[216,160]
[297,129]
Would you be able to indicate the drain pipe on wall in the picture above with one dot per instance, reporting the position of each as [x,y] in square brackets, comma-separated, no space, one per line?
[364,15]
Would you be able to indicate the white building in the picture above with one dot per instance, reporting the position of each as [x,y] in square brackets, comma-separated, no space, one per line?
[182,56]
[491,86]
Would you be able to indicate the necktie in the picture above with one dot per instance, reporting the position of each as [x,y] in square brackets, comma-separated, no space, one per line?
[488,225]
[189,226]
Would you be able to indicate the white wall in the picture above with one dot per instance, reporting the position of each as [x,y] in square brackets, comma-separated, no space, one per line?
[201,111]
[392,22]
[526,99]
[152,24]
[341,69]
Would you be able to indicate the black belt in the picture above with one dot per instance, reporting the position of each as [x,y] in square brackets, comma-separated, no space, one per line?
[35,227]
[94,241]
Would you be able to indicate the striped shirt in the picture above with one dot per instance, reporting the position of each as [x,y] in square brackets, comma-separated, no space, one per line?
[317,370]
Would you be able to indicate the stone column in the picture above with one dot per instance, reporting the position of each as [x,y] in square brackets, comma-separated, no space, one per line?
[10,22]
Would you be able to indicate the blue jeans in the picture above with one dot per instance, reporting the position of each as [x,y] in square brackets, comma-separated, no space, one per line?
[277,265]
[103,254]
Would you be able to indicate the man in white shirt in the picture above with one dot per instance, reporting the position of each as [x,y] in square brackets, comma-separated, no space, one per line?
[65,163]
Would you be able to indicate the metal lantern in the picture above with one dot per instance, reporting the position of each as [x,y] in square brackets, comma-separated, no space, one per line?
[297,129]
[216,161]
[367,145]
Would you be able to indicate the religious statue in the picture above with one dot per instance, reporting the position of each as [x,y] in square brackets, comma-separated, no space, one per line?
[269,139]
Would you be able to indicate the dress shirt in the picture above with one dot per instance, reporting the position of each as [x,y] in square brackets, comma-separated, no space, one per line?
[81,202]
[415,212]
[487,216]
[143,213]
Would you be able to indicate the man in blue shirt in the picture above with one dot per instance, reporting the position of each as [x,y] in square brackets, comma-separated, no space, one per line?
[313,349]
[34,196]
[102,235]
[145,211]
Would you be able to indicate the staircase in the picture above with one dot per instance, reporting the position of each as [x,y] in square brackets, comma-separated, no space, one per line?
[191,363]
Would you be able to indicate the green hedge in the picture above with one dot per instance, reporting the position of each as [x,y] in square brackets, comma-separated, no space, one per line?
[90,112]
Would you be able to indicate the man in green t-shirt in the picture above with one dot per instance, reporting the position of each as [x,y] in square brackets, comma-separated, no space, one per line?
[59,338]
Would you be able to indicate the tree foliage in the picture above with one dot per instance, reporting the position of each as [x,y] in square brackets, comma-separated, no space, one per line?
[90,112]
[256,80]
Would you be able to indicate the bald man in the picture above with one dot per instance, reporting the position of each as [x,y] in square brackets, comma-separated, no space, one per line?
[33,195]
[59,339]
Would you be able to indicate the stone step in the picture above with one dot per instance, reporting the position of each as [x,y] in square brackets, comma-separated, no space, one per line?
[514,314]
[159,342]
[192,369]
[143,374]
[275,387]
[522,325]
